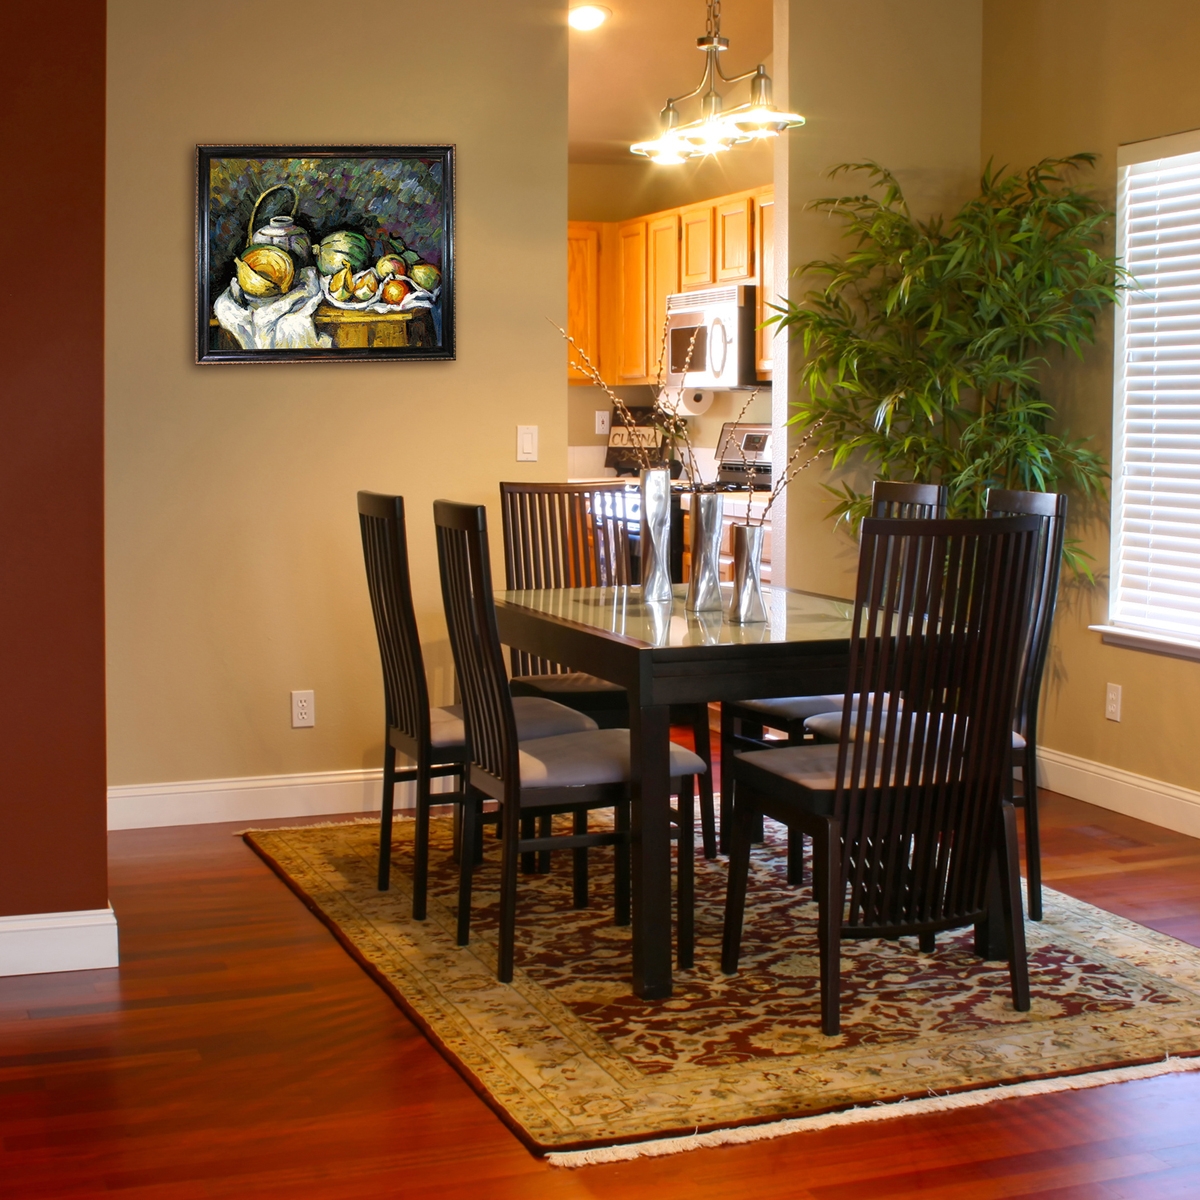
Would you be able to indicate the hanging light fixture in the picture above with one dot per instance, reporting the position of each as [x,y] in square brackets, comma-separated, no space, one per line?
[715,130]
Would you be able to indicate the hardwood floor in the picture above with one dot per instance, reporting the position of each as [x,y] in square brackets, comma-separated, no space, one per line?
[239,1052]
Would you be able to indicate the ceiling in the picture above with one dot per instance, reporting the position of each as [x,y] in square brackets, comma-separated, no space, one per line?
[622,73]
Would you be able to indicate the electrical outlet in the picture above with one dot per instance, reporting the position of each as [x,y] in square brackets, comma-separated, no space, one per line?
[602,419]
[1112,702]
[304,713]
[527,439]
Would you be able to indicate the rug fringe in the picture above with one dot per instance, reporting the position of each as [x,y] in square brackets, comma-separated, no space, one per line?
[856,1116]
[317,825]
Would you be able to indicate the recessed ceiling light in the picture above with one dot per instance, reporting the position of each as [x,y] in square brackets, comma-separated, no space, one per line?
[588,16]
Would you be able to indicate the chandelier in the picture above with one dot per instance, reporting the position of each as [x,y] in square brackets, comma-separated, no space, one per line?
[716,130]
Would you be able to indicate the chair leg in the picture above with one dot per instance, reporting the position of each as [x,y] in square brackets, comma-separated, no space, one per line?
[1033,840]
[457,828]
[385,816]
[702,737]
[795,857]
[507,934]
[545,829]
[740,828]
[727,732]
[529,859]
[1014,923]
[580,861]
[421,844]
[685,876]
[827,886]
[472,809]
[927,942]
[622,914]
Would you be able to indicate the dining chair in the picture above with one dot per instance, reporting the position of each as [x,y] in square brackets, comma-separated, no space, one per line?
[744,722]
[569,774]
[1051,510]
[434,739]
[574,535]
[909,813]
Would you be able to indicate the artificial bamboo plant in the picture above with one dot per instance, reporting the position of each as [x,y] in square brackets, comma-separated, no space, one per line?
[923,345]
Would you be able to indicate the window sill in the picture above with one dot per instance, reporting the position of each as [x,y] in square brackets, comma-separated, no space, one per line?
[1156,643]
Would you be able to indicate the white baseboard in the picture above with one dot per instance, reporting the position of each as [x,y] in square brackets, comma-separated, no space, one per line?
[252,798]
[1152,800]
[37,943]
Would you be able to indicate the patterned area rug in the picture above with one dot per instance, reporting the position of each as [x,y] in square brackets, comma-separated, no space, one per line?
[570,1059]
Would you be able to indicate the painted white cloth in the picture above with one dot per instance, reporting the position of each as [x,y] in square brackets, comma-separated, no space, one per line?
[279,323]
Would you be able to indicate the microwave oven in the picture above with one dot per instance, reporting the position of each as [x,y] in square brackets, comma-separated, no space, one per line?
[710,339]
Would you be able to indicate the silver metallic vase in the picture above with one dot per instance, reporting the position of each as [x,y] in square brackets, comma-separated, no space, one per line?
[656,534]
[704,588]
[746,604]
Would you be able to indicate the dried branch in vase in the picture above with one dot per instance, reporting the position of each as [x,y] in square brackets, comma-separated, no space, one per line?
[585,365]
[751,468]
[790,471]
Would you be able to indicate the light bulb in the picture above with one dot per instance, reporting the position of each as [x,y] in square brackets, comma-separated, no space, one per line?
[588,16]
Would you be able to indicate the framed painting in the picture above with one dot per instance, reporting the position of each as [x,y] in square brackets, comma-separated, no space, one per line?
[324,253]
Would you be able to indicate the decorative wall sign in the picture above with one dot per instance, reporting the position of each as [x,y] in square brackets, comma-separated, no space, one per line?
[334,253]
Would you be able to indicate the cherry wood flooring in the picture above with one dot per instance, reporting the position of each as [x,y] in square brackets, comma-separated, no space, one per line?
[238,1052]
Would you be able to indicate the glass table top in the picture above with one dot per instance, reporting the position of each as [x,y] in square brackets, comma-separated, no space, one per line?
[791,616]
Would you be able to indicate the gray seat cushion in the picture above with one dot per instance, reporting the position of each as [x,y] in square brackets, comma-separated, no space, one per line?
[793,708]
[569,683]
[597,757]
[814,767]
[536,717]
[829,726]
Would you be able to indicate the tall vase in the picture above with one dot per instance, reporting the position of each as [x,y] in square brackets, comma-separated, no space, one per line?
[656,534]
[746,605]
[704,588]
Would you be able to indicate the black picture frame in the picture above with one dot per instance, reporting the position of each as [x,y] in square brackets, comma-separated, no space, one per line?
[392,209]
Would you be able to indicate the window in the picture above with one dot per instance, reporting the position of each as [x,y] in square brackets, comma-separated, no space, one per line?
[1156,455]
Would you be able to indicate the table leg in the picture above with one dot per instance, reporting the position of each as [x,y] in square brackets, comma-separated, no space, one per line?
[650,731]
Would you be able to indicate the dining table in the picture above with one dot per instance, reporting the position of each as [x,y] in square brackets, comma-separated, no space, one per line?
[663,655]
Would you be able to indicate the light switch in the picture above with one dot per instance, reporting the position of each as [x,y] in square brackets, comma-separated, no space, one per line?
[527,438]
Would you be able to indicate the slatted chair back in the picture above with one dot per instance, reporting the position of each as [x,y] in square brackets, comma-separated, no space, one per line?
[1051,510]
[385,552]
[912,500]
[940,616]
[466,574]
[563,535]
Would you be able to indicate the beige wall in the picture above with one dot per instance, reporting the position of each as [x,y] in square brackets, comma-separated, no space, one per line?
[234,569]
[618,191]
[897,81]
[1059,78]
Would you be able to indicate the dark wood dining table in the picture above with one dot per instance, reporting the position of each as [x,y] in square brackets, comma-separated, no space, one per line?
[663,655]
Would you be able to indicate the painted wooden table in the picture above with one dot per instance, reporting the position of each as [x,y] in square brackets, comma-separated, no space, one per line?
[664,656]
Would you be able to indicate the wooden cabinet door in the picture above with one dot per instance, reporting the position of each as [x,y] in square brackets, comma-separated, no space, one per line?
[735,240]
[583,293]
[696,254]
[663,251]
[633,359]
[766,296]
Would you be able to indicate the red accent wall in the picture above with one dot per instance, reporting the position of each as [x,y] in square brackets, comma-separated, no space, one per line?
[52,752]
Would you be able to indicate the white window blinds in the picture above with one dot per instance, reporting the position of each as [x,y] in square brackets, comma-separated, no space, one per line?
[1156,494]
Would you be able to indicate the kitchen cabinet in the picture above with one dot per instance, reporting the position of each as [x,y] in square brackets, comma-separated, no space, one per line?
[620,275]
[696,246]
[583,293]
[633,357]
[765,296]
[734,238]
[662,233]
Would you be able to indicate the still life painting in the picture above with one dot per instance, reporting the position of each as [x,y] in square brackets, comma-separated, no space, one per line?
[336,253]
